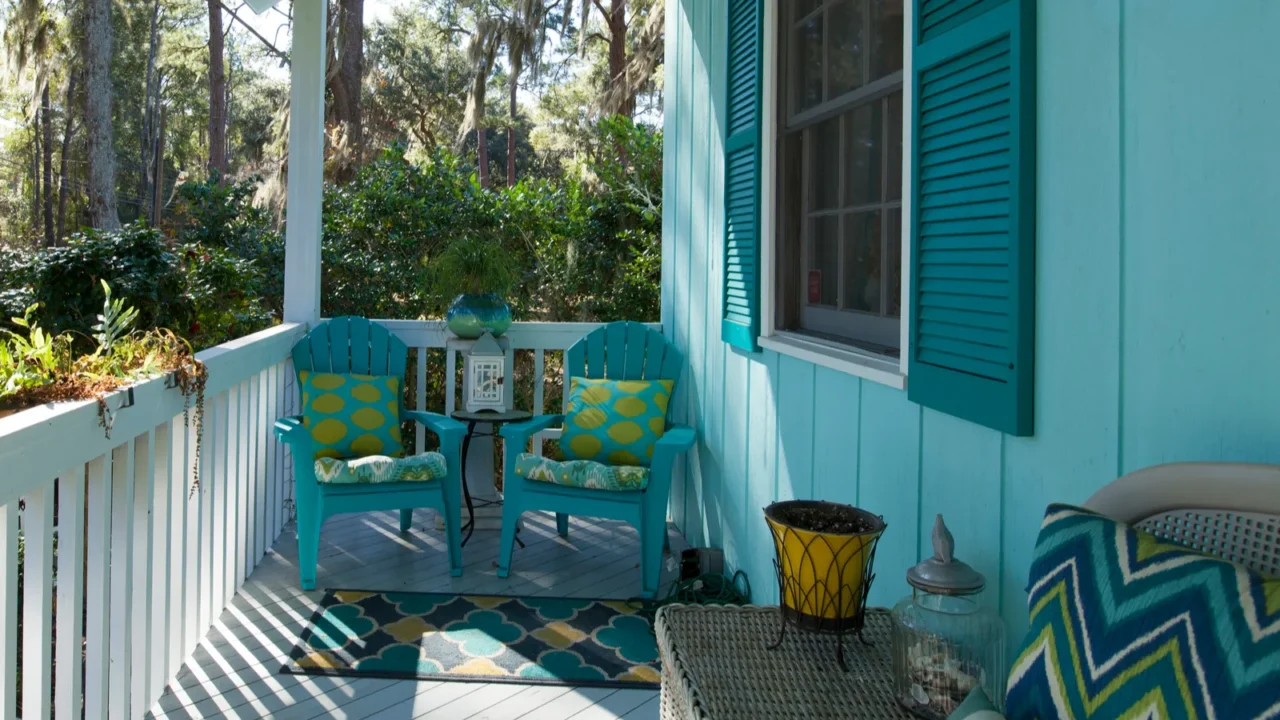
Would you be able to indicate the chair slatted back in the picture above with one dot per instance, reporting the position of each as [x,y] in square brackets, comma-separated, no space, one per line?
[622,351]
[355,346]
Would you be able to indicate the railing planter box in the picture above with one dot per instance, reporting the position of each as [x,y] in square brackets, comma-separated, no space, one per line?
[41,441]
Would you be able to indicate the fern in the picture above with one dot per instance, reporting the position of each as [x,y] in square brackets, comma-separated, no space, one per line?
[115,322]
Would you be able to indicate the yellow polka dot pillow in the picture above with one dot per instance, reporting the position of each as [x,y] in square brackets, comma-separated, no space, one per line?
[615,422]
[351,416]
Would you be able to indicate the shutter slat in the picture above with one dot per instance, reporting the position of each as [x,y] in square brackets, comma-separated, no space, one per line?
[996,111]
[952,14]
[966,196]
[993,209]
[991,337]
[961,363]
[991,161]
[972,271]
[740,324]
[962,271]
[996,128]
[965,318]
[978,241]
[947,301]
[930,258]
[972,226]
[973,288]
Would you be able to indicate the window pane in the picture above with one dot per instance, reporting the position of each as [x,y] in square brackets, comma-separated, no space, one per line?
[824,165]
[806,71]
[862,155]
[824,259]
[894,190]
[845,47]
[804,7]
[862,262]
[886,37]
[893,247]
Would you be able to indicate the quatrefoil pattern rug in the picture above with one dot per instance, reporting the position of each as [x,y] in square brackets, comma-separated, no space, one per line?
[478,638]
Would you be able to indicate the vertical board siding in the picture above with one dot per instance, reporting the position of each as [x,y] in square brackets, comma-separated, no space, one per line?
[1154,274]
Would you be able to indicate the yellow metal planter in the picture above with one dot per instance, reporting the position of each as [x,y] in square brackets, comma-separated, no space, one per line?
[823,578]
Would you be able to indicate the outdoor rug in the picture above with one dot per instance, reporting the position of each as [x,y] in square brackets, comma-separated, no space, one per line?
[478,638]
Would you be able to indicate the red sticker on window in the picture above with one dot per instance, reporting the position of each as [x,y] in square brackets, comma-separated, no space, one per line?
[815,287]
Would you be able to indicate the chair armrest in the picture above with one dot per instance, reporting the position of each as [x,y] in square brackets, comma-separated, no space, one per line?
[519,433]
[290,430]
[677,439]
[449,430]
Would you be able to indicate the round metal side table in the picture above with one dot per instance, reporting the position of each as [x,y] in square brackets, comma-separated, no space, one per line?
[495,420]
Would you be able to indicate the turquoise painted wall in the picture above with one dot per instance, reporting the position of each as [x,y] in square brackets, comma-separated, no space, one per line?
[1158,301]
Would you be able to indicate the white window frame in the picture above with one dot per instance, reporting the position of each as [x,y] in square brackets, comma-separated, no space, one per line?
[837,356]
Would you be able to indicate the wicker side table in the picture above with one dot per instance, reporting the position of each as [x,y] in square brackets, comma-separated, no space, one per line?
[717,665]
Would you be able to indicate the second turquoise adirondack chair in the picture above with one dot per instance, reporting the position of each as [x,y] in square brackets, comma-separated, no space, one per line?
[617,351]
[353,345]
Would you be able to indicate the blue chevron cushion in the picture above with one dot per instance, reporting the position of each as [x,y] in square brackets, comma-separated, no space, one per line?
[1126,626]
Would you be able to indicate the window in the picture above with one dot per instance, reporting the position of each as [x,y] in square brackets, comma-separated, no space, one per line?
[838,250]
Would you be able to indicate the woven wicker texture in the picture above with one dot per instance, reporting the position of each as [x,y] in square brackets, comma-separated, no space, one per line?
[1249,539]
[717,665]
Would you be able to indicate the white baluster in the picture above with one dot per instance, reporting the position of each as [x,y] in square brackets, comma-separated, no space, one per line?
[99,484]
[143,473]
[121,630]
[70,591]
[8,608]
[37,602]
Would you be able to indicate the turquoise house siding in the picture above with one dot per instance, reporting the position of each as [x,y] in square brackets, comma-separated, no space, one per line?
[1157,307]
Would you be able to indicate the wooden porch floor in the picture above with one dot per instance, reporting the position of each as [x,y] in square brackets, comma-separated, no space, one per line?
[235,670]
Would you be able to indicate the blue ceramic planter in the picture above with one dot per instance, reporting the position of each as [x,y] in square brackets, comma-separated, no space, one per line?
[470,315]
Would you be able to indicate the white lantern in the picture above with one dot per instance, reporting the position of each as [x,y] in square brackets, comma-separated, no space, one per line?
[485,376]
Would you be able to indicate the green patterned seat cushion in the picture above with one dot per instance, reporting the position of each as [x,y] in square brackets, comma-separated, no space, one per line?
[615,422]
[582,473]
[351,415]
[1124,625]
[375,469]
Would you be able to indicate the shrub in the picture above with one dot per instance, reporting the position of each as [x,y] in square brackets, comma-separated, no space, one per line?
[213,214]
[228,294]
[134,260]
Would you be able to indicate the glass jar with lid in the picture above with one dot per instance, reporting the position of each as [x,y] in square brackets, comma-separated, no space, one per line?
[945,642]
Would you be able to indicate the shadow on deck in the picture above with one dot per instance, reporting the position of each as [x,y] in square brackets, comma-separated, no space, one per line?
[235,670]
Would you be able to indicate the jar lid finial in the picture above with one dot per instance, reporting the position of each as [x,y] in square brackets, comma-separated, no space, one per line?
[943,574]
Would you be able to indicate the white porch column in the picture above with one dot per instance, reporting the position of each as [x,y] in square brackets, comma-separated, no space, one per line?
[306,163]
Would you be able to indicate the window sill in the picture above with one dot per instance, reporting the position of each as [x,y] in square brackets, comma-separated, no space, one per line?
[876,368]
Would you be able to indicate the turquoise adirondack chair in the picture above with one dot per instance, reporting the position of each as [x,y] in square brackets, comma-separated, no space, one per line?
[617,351]
[357,346]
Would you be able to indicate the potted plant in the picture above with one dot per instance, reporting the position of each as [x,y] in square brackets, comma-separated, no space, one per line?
[824,555]
[476,271]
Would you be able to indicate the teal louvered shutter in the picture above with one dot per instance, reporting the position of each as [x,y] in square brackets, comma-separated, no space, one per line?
[740,325]
[972,320]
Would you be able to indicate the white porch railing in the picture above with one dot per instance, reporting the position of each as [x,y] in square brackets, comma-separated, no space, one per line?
[125,561]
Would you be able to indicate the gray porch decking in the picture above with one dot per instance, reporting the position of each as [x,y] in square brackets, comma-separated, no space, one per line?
[235,670]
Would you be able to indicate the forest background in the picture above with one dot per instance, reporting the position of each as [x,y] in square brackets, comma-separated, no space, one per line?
[144,142]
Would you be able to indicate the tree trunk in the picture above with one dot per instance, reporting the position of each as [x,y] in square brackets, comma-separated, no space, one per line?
[351,72]
[511,124]
[618,56]
[217,92]
[98,98]
[35,172]
[68,130]
[482,153]
[46,113]
[149,102]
